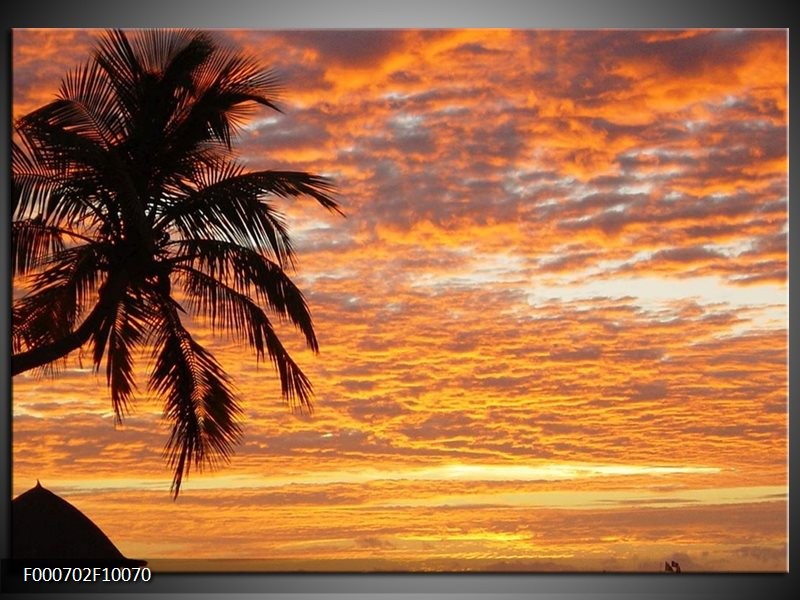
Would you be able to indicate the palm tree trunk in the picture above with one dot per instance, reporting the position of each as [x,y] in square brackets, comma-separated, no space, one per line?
[110,293]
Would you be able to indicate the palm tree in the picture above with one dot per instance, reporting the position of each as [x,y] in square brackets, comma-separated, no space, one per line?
[124,189]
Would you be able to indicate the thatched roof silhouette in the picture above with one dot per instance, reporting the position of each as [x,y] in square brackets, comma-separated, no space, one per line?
[45,526]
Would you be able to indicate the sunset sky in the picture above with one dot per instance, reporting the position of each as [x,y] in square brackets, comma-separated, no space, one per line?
[552,325]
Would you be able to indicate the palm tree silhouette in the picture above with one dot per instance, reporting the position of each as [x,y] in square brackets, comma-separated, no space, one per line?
[126,187]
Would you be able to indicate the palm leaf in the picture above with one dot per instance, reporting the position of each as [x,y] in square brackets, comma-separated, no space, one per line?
[199,401]
[61,290]
[122,330]
[237,313]
[115,56]
[32,244]
[228,87]
[230,206]
[246,271]
[43,317]
[31,182]
[66,178]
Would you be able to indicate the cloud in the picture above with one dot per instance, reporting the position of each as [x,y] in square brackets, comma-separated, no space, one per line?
[374,408]
[349,48]
[576,354]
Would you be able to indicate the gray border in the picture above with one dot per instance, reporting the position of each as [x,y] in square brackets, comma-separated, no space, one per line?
[371,14]
[300,14]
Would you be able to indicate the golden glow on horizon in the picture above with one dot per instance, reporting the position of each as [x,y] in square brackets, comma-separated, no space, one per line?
[447,472]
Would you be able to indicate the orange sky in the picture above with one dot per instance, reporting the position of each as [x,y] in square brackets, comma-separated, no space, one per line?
[553,324]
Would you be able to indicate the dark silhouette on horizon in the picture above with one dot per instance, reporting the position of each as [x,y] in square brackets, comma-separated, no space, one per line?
[44,526]
[126,188]
[672,567]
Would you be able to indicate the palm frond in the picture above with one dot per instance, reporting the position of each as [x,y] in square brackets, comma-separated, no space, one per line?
[228,87]
[174,54]
[62,137]
[199,401]
[115,56]
[61,291]
[238,314]
[230,207]
[31,182]
[120,332]
[78,267]
[41,318]
[32,244]
[247,271]
[65,177]
[88,106]
[291,184]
